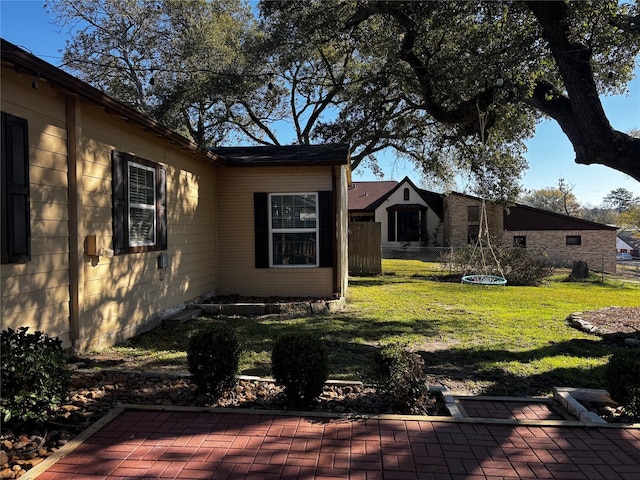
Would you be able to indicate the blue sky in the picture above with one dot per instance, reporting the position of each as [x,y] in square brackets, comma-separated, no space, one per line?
[550,155]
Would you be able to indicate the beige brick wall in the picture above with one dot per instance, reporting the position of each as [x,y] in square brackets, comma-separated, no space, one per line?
[598,247]
[456,219]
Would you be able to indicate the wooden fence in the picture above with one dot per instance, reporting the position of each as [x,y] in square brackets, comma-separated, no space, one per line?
[365,252]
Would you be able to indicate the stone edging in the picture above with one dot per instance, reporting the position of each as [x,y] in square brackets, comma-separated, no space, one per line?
[569,399]
[576,320]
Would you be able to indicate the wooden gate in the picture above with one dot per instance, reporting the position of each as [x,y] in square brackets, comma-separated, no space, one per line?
[365,252]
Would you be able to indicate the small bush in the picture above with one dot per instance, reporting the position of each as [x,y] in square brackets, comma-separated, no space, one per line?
[213,356]
[300,364]
[623,380]
[401,374]
[520,266]
[34,378]
[525,266]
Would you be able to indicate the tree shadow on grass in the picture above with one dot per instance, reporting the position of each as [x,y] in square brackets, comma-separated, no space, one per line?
[351,342]
[482,369]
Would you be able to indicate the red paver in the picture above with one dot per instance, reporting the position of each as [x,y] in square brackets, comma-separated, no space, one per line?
[207,446]
[514,410]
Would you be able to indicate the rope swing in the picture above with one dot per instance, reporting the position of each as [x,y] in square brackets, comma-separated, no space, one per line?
[486,274]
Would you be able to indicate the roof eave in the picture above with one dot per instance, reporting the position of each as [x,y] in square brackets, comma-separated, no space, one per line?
[27,63]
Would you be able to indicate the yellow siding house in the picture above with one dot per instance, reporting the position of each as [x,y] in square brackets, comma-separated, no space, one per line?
[111,222]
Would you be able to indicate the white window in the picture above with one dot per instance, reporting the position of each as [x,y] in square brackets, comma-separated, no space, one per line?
[293,225]
[142,205]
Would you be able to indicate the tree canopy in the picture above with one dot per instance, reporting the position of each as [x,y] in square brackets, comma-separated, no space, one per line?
[521,61]
[559,199]
[452,85]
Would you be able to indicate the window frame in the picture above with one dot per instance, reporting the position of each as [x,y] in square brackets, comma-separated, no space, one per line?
[327,224]
[473,213]
[273,231]
[122,224]
[404,218]
[141,206]
[473,233]
[573,240]
[15,237]
[520,241]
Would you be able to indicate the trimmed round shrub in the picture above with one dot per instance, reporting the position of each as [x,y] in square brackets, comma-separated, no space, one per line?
[34,378]
[623,379]
[401,375]
[213,356]
[299,363]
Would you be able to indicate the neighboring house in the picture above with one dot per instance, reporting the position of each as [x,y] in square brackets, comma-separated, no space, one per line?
[562,237]
[412,217]
[628,242]
[111,222]
[408,215]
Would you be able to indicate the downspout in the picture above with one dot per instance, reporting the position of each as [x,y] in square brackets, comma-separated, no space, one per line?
[337,291]
[76,251]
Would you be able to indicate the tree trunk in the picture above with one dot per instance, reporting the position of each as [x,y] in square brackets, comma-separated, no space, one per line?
[579,272]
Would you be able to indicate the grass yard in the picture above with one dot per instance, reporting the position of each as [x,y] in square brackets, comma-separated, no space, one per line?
[474,339]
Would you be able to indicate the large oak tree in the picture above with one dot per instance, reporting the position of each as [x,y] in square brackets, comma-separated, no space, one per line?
[552,59]
[452,85]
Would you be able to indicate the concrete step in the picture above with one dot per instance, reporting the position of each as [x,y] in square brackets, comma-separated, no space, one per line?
[183,316]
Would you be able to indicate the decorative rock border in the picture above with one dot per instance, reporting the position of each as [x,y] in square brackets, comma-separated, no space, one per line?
[576,320]
[314,307]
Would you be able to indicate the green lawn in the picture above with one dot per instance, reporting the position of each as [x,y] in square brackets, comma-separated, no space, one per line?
[491,340]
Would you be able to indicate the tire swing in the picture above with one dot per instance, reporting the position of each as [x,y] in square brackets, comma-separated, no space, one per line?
[485,276]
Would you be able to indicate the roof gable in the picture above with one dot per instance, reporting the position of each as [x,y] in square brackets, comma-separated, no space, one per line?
[631,239]
[368,196]
[363,195]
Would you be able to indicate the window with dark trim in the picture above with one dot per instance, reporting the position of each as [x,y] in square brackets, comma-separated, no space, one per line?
[293,230]
[406,224]
[574,240]
[16,217]
[520,241]
[406,194]
[139,204]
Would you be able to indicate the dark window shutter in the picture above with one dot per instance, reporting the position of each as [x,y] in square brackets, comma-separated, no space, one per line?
[391,226]
[161,209]
[16,225]
[261,220]
[119,187]
[326,223]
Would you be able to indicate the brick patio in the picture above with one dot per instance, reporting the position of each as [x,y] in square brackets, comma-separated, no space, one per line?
[141,444]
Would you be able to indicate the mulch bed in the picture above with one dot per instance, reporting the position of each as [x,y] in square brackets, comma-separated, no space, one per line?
[94,393]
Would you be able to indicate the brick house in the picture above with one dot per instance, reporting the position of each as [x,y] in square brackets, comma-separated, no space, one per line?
[453,220]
